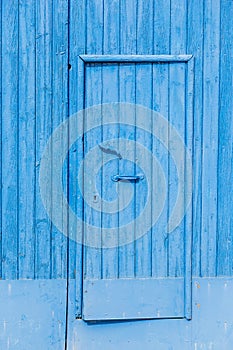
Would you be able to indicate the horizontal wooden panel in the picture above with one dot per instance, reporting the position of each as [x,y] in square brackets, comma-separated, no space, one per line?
[141,298]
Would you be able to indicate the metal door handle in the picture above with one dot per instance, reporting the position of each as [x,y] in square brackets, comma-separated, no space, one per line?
[134,178]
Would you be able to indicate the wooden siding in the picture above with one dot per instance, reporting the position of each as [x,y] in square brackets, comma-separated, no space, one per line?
[34,101]
[35,98]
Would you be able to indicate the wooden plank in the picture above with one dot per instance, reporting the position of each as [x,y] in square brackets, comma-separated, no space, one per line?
[149,298]
[93,94]
[143,76]
[188,182]
[110,93]
[59,114]
[94,32]
[43,130]
[177,119]
[127,94]
[210,137]
[225,165]
[128,39]
[110,87]
[160,101]
[143,96]
[76,42]
[144,34]
[76,200]
[144,30]
[10,140]
[26,152]
[111,27]
[1,120]
[161,37]
[195,46]
[93,80]
[143,91]
[159,231]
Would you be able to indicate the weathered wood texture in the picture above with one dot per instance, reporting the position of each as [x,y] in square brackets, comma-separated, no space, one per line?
[34,100]
[188,27]
[34,73]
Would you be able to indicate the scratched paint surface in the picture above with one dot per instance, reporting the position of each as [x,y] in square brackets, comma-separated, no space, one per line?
[32,314]
[211,327]
[36,96]
[32,317]
[34,101]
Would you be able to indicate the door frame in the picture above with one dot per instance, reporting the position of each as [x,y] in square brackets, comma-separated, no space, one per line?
[188,220]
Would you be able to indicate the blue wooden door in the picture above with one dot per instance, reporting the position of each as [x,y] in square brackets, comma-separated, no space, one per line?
[137,143]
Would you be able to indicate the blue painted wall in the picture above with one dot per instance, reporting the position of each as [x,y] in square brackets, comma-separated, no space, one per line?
[38,91]
[34,100]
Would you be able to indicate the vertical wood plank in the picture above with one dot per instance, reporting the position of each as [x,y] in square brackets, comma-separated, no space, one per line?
[176,111]
[143,97]
[128,12]
[59,114]
[225,163]
[110,94]
[1,121]
[161,35]
[143,76]
[111,27]
[160,103]
[159,231]
[128,38]
[95,27]
[210,137]
[26,152]
[44,23]
[78,201]
[144,30]
[195,47]
[10,140]
[177,120]
[126,94]
[93,91]
[188,179]
[76,42]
